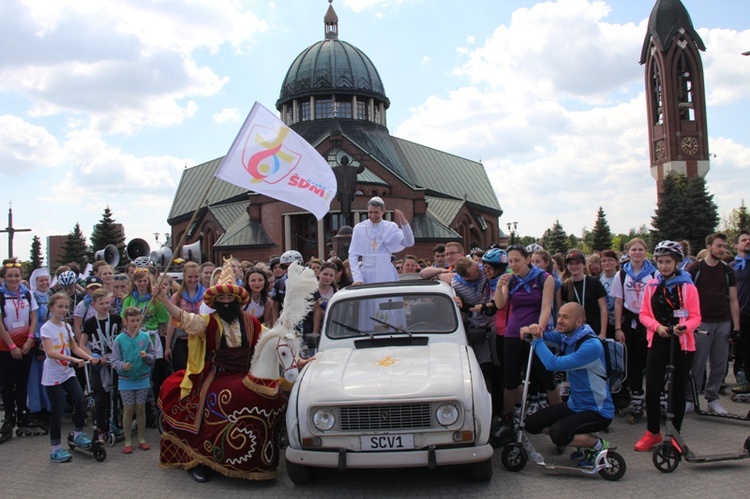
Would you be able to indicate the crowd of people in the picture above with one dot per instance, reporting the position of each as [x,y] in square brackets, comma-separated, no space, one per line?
[134,334]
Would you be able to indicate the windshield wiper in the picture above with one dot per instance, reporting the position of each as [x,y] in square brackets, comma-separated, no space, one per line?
[351,329]
[395,328]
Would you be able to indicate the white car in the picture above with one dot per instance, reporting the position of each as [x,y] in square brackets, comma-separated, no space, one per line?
[394,384]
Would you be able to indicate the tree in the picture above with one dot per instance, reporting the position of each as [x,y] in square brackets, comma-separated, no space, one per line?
[601,236]
[75,248]
[737,221]
[107,231]
[555,240]
[36,258]
[685,211]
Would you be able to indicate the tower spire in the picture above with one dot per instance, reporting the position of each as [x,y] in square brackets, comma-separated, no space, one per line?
[331,22]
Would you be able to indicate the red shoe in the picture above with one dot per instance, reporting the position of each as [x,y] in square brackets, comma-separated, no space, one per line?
[144,446]
[648,441]
[128,449]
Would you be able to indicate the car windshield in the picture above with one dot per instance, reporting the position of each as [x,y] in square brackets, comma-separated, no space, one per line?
[403,314]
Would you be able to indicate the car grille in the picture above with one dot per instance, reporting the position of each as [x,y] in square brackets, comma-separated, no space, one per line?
[385,417]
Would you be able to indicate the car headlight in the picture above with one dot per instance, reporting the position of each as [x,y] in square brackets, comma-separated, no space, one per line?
[324,419]
[446,414]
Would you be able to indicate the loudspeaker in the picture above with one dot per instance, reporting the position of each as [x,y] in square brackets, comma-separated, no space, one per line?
[109,254]
[137,248]
[162,257]
[192,252]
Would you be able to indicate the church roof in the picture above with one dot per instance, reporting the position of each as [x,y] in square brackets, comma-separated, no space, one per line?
[244,233]
[667,17]
[193,185]
[427,227]
[444,209]
[448,175]
[332,66]
[227,214]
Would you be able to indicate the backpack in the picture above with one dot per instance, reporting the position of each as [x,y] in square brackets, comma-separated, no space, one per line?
[26,294]
[616,357]
[727,270]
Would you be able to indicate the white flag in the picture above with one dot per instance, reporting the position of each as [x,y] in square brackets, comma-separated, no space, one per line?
[269,158]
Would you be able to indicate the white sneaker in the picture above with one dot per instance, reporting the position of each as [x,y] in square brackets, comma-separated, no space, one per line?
[689,407]
[715,407]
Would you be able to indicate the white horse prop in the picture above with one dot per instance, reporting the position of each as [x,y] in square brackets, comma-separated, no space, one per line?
[232,421]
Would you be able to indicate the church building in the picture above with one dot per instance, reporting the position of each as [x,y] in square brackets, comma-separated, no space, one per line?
[332,95]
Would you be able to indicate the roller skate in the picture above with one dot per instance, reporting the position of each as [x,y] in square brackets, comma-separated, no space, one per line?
[533,405]
[504,429]
[6,431]
[29,428]
[741,393]
[635,409]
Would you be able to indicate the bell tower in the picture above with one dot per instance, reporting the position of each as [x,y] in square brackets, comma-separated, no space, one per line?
[675,94]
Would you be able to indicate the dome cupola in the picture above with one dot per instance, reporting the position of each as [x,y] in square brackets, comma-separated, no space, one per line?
[332,79]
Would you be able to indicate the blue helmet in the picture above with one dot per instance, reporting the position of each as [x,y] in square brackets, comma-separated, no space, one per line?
[495,257]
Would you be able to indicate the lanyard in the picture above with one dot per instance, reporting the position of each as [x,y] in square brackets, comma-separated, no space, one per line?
[17,304]
[583,292]
[679,297]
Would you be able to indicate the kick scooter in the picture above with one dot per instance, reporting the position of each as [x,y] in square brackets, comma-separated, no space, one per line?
[667,456]
[608,464]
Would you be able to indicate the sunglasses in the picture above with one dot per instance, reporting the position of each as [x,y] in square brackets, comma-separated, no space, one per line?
[141,270]
[120,277]
[11,265]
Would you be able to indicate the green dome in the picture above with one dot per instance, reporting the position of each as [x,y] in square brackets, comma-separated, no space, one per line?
[332,66]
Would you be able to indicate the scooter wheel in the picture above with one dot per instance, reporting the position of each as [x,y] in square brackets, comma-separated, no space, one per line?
[111,439]
[666,458]
[618,467]
[514,457]
[747,445]
[100,453]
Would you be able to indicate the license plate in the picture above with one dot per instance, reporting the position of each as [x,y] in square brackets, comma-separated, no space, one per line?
[386,442]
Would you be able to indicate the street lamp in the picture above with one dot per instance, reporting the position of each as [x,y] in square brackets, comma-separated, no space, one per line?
[512,229]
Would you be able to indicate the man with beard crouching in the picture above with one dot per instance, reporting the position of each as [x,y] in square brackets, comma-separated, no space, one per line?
[206,421]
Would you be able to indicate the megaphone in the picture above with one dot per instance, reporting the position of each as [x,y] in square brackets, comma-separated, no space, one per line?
[192,252]
[162,257]
[136,248]
[110,254]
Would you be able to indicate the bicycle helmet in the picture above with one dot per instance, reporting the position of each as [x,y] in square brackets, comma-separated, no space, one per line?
[142,261]
[291,256]
[495,257]
[67,278]
[666,248]
[531,248]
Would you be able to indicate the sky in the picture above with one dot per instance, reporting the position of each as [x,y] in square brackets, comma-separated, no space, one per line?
[105,102]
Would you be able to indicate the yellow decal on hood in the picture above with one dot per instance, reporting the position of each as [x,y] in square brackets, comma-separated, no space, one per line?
[388,361]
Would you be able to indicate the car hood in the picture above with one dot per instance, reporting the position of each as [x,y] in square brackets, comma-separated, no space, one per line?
[439,369]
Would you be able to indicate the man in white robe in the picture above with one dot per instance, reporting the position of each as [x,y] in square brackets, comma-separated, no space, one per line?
[374,240]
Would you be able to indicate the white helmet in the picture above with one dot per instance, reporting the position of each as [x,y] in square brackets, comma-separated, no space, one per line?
[291,256]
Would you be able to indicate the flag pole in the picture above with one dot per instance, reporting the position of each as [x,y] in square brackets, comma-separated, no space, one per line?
[182,240]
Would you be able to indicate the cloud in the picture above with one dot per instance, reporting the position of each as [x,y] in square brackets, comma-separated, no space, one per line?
[120,66]
[25,147]
[231,115]
[553,104]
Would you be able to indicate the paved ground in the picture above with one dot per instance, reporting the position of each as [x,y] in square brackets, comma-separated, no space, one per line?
[25,471]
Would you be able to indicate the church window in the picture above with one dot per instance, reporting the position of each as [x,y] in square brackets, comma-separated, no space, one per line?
[343,110]
[657,113]
[305,111]
[685,92]
[323,108]
[362,110]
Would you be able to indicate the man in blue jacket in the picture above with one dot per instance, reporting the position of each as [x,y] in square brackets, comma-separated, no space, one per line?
[589,408]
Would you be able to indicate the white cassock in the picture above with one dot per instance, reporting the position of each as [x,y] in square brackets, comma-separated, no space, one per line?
[375,243]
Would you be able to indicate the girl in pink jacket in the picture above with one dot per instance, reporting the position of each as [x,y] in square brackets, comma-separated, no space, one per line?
[670,307]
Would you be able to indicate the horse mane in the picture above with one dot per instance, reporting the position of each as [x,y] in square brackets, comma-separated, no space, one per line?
[301,283]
